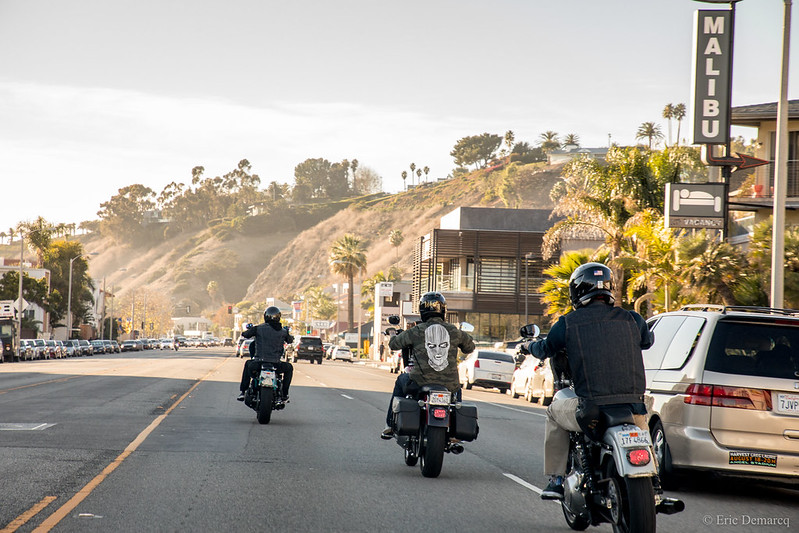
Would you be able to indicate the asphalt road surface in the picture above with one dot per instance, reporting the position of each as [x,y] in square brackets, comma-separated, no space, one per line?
[157,442]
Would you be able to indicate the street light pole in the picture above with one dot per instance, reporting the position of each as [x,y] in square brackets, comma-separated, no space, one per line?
[19,297]
[69,300]
[781,173]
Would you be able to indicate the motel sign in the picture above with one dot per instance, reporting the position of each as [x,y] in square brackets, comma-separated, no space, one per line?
[712,76]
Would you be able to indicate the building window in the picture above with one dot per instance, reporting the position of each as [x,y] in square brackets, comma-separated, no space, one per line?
[497,275]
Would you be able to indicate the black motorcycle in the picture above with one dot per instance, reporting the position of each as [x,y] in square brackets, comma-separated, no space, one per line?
[429,423]
[265,392]
[611,473]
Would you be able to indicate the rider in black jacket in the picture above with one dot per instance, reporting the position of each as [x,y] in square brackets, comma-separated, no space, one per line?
[603,347]
[268,346]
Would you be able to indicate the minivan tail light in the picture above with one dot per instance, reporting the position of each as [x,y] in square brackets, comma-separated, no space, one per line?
[477,363]
[734,397]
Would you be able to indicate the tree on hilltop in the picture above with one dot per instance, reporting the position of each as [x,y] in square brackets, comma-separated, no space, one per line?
[549,141]
[476,150]
[348,257]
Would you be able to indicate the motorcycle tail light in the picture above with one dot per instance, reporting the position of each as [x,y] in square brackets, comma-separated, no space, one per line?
[639,457]
[439,413]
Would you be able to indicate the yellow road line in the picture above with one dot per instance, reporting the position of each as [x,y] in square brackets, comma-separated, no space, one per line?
[81,495]
[22,519]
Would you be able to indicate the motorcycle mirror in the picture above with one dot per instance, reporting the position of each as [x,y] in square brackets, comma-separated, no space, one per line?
[249,325]
[465,326]
[394,320]
[530,330]
[391,331]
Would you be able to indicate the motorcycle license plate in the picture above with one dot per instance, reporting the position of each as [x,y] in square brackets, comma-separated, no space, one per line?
[634,438]
[267,378]
[439,398]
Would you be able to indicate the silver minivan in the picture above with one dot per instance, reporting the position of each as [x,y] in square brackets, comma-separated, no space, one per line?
[723,391]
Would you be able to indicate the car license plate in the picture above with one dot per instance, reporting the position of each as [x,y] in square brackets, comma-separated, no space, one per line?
[629,439]
[496,376]
[788,403]
[267,378]
[439,398]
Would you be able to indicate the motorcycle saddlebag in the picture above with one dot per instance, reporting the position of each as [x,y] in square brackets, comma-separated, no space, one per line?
[466,427]
[406,416]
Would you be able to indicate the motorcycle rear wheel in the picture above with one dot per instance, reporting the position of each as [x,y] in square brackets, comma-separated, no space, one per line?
[432,456]
[633,502]
[575,521]
[265,406]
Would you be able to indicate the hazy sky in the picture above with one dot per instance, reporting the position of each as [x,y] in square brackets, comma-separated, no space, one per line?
[99,94]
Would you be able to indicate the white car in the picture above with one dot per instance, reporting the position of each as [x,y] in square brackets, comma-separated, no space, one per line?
[533,380]
[488,369]
[341,353]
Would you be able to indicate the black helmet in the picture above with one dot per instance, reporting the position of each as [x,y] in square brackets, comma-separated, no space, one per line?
[272,314]
[589,281]
[432,304]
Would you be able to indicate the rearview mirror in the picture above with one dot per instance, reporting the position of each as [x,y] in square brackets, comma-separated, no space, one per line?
[529,331]
[465,326]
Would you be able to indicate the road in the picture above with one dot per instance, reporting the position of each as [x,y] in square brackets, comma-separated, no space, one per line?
[157,442]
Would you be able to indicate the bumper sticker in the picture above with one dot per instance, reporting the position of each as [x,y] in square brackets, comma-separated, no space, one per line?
[754,459]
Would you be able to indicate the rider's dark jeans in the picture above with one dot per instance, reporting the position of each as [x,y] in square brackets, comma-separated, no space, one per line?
[254,365]
[401,389]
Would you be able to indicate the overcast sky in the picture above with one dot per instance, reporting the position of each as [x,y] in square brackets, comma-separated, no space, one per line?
[99,94]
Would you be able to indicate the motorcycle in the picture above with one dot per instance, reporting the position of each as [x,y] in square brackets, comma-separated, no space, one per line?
[265,392]
[430,423]
[611,473]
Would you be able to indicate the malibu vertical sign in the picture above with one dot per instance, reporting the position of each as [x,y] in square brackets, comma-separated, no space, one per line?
[712,76]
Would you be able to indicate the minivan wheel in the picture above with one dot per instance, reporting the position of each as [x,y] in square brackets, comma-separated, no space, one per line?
[668,480]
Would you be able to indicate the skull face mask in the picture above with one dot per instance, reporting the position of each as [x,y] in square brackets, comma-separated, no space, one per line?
[436,341]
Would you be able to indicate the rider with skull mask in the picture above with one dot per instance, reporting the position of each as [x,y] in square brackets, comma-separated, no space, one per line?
[434,352]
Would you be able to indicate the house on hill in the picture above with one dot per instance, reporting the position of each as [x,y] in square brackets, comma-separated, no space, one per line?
[569,152]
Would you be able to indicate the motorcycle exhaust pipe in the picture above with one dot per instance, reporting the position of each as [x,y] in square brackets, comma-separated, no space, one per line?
[456,449]
[670,506]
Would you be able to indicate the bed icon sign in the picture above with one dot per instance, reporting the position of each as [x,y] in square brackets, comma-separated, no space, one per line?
[686,197]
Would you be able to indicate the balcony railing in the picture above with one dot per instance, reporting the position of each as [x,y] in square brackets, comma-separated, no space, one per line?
[765,175]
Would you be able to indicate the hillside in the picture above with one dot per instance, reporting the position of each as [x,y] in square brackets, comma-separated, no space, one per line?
[303,262]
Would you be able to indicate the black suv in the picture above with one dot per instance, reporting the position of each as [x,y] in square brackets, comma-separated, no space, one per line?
[309,348]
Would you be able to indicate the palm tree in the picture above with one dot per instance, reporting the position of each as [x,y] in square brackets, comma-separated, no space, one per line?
[413,169]
[571,139]
[679,114]
[509,139]
[709,269]
[549,141]
[404,177]
[426,171]
[40,235]
[649,131]
[395,238]
[348,256]
[668,114]
[418,175]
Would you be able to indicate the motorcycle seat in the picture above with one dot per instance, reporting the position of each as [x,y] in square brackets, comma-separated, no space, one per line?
[428,388]
[616,416]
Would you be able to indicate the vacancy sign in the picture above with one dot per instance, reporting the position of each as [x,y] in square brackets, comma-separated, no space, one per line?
[695,205]
[712,76]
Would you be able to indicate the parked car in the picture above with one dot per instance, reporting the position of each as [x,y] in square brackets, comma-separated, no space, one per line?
[86,347]
[245,347]
[309,347]
[98,346]
[26,350]
[341,353]
[53,349]
[116,346]
[488,369]
[533,380]
[70,347]
[40,349]
[723,386]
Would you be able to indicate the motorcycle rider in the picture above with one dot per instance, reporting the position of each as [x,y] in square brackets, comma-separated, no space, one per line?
[267,346]
[603,346]
[433,345]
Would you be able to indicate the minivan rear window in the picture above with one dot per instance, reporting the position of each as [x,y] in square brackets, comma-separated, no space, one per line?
[746,348]
[316,341]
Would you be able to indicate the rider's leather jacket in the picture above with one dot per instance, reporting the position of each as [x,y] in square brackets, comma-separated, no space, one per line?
[269,340]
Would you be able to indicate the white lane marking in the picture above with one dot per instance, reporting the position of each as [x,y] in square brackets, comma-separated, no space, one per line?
[514,409]
[523,483]
[322,384]
[348,397]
